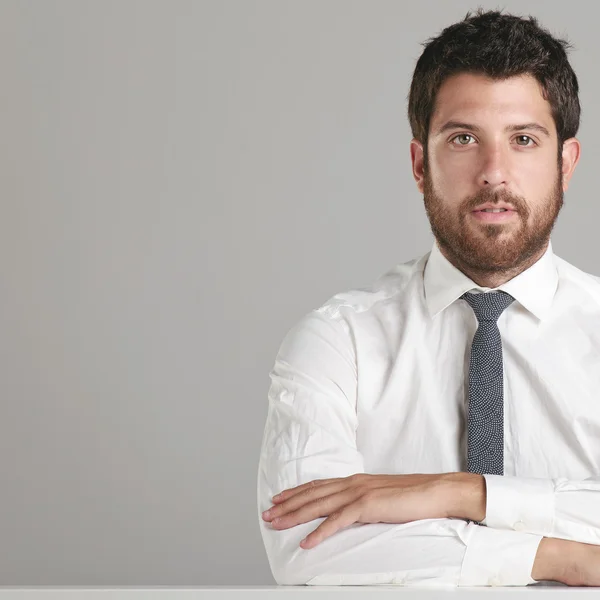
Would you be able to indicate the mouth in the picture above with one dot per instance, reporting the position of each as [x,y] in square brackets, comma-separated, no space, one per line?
[494,215]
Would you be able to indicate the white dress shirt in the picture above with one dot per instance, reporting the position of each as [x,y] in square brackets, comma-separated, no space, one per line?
[376,381]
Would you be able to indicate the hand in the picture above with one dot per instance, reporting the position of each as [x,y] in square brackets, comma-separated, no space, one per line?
[360,498]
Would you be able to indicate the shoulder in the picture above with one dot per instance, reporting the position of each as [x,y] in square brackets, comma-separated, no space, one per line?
[326,334]
[583,281]
[392,284]
[335,318]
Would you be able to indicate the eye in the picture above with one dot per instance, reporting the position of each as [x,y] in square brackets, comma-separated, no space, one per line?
[526,138]
[462,135]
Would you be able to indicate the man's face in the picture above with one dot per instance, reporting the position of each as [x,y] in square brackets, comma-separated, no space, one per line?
[492,142]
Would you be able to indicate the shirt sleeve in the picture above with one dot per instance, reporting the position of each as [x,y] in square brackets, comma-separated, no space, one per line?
[310,433]
[558,508]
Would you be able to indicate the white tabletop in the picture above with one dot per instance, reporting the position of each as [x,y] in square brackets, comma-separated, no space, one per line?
[284,592]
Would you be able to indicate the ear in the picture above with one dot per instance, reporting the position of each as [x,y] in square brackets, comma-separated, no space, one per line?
[416,157]
[570,155]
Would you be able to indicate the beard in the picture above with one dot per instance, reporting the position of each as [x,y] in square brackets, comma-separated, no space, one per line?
[492,248]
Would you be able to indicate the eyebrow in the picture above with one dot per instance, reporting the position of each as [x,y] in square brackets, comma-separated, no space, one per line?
[461,125]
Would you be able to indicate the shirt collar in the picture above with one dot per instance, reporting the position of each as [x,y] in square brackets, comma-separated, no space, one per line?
[534,288]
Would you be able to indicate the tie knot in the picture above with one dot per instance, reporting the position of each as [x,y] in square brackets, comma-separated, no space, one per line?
[488,306]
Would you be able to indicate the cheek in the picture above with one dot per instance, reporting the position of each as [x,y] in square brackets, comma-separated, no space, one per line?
[535,180]
[525,167]
[452,182]
[454,169]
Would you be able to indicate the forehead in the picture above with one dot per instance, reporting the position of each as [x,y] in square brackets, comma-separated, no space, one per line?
[474,97]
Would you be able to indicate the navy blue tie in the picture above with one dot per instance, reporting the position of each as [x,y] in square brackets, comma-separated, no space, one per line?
[485,439]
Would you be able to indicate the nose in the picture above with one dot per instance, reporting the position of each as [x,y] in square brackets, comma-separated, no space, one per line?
[494,167]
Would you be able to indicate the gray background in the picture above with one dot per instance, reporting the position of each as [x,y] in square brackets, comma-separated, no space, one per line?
[180,182]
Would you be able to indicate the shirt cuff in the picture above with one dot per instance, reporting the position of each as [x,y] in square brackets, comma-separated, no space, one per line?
[522,504]
[496,557]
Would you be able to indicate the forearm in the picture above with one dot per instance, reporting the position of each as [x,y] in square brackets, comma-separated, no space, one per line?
[568,562]
[549,560]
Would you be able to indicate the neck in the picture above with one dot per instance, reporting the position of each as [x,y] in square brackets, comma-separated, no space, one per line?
[491,279]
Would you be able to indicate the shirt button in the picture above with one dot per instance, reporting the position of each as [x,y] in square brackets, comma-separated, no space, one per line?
[519,526]
[494,581]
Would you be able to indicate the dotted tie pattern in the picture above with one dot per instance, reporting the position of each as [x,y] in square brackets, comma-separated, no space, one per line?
[485,445]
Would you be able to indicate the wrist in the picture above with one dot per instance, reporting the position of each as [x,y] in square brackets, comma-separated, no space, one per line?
[467,493]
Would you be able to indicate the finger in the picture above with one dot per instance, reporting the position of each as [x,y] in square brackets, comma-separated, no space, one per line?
[321,507]
[336,521]
[285,494]
[304,497]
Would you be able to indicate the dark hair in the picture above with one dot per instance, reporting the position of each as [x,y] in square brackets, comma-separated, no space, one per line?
[499,46]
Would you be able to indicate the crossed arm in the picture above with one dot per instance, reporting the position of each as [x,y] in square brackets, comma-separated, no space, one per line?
[364,498]
[423,528]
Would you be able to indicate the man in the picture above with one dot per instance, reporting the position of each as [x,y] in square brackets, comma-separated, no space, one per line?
[442,427]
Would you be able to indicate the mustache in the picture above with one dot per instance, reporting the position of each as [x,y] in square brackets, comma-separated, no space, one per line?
[484,196]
